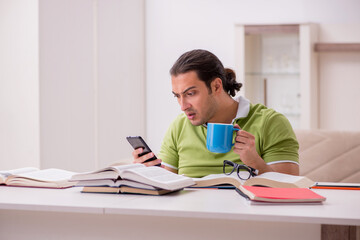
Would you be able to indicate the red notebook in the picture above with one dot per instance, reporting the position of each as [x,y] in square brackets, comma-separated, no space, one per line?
[281,195]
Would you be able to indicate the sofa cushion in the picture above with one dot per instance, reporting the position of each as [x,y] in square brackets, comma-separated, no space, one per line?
[329,156]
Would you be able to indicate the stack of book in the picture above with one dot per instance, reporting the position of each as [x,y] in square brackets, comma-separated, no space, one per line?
[132,178]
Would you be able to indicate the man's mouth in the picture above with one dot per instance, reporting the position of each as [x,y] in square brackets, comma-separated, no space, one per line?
[190,116]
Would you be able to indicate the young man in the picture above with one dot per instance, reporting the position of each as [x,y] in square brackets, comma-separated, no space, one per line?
[204,90]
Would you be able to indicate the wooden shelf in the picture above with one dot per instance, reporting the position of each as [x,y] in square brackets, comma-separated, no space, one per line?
[337,47]
[253,46]
[261,29]
[285,74]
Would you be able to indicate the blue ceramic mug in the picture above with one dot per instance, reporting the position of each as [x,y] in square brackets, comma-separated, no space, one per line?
[220,137]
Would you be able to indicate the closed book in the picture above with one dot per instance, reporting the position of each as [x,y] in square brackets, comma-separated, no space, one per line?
[280,195]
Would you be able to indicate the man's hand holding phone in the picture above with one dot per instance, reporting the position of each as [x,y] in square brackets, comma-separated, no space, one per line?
[142,153]
[144,158]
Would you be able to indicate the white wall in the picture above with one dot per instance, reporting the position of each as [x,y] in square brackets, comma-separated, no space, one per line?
[339,79]
[92,81]
[121,77]
[19,84]
[71,82]
[67,104]
[176,26]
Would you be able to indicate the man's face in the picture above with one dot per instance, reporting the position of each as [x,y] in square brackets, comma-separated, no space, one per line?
[194,98]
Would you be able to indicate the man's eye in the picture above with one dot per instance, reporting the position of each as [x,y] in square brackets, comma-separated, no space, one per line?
[191,93]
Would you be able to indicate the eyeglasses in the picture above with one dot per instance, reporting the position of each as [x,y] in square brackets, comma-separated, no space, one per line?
[244,175]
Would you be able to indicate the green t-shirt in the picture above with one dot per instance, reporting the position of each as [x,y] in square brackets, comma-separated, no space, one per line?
[184,145]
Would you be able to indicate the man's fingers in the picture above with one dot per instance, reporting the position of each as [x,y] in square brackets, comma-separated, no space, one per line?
[136,152]
[153,162]
[145,157]
[237,126]
[241,139]
[244,134]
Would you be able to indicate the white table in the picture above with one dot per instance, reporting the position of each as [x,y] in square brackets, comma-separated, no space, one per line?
[33,213]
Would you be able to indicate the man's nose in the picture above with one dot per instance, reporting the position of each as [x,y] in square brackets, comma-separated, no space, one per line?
[183,104]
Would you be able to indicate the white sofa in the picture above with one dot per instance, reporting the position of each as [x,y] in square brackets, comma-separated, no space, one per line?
[329,156]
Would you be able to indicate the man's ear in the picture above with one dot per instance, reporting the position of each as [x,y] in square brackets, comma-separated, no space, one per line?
[216,85]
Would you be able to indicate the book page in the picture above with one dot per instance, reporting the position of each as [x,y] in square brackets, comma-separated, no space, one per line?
[112,183]
[280,177]
[104,173]
[280,180]
[158,174]
[158,177]
[95,182]
[222,175]
[128,183]
[220,180]
[120,168]
[2,179]
[7,173]
[46,175]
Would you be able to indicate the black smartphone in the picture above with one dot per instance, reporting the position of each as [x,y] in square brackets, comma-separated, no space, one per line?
[138,142]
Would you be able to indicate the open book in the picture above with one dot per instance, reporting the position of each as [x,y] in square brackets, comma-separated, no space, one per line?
[153,176]
[268,179]
[33,177]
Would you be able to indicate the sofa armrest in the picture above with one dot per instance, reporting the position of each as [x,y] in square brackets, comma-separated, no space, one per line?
[329,156]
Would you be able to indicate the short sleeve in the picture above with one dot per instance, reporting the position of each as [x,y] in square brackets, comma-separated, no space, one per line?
[168,151]
[279,141]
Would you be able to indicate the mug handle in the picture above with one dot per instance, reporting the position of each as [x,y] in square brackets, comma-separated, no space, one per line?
[235,129]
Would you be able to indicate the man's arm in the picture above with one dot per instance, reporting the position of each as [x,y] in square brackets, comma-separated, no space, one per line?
[245,147]
[288,168]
